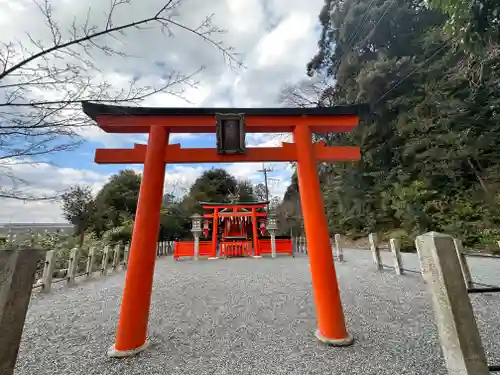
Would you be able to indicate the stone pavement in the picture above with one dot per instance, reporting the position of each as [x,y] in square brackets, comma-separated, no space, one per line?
[252,316]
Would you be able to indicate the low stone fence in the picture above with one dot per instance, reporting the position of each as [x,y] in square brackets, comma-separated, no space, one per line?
[299,246]
[394,247]
[448,279]
[94,263]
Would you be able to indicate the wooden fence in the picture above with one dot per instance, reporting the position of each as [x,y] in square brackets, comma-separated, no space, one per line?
[80,264]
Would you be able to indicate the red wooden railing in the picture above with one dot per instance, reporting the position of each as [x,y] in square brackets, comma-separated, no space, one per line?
[235,248]
[183,249]
[186,249]
[231,248]
[205,249]
[283,246]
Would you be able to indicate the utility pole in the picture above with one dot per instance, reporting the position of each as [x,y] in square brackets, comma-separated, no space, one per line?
[266,179]
[265,170]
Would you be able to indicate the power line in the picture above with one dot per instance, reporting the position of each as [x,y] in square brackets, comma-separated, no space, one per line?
[412,71]
[265,171]
[354,34]
[378,22]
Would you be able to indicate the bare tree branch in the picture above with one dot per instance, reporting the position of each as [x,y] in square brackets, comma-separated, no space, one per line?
[315,92]
[43,82]
[204,31]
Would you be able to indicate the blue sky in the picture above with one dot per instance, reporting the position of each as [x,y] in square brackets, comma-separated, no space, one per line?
[275,39]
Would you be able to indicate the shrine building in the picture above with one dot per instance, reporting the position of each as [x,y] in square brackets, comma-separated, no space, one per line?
[236,229]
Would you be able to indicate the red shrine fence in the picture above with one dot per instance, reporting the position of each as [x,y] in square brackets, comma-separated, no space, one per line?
[235,249]
[231,248]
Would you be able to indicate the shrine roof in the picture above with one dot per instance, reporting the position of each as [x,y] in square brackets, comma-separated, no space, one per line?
[237,204]
[94,110]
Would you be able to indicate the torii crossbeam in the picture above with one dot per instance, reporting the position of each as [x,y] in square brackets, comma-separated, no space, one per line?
[230,125]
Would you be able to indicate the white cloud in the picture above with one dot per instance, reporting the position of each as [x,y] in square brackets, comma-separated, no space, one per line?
[268,140]
[245,16]
[45,180]
[276,38]
[278,178]
[48,180]
[275,48]
[179,178]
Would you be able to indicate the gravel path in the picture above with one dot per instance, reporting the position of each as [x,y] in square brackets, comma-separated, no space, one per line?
[251,316]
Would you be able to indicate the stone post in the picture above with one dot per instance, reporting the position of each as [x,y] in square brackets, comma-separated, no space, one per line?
[10,236]
[419,254]
[395,246]
[338,247]
[17,275]
[272,227]
[459,248]
[48,270]
[460,340]
[90,262]
[196,230]
[32,238]
[105,261]
[72,266]
[374,246]
[273,243]
[116,257]
[125,256]
[196,245]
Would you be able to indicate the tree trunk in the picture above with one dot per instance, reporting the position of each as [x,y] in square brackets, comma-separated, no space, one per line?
[483,184]
[81,239]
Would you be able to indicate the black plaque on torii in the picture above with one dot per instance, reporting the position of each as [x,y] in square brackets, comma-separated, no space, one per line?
[230,133]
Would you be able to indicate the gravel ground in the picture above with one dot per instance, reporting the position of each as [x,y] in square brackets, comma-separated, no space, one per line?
[251,316]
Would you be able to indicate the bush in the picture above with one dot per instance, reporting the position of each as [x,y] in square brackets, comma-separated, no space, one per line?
[488,238]
[406,240]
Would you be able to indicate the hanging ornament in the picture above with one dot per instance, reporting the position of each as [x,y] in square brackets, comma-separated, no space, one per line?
[262,228]
[205,228]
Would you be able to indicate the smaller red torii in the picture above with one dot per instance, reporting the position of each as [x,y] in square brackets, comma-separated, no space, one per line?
[217,214]
[236,218]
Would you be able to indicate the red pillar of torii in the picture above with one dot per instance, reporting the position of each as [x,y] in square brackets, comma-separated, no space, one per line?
[159,123]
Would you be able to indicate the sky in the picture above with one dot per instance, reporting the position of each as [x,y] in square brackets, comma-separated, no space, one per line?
[274,38]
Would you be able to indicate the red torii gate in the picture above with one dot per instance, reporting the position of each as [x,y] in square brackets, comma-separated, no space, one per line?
[159,123]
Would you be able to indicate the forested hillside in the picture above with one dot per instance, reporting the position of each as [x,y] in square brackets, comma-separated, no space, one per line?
[430,143]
